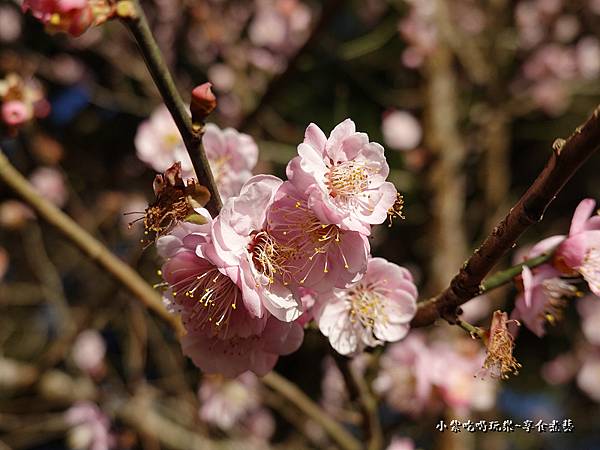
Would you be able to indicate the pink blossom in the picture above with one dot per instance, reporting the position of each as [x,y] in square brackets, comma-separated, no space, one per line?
[344,176]
[580,251]
[401,443]
[401,131]
[589,310]
[225,402]
[50,184]
[90,427]
[88,352]
[376,309]
[561,369]
[10,23]
[243,242]
[69,16]
[232,155]
[159,144]
[588,378]
[588,57]
[320,256]
[405,378]
[229,331]
[541,300]
[15,113]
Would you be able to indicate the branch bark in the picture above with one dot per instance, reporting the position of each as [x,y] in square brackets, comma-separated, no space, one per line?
[565,160]
[192,136]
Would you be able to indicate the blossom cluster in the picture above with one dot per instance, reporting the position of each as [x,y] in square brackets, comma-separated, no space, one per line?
[69,16]
[281,253]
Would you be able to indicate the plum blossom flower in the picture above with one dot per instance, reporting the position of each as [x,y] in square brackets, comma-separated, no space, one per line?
[588,377]
[344,176]
[376,309]
[320,255]
[232,155]
[405,378]
[224,402]
[401,131]
[91,427]
[88,352]
[69,16]
[243,242]
[580,251]
[229,331]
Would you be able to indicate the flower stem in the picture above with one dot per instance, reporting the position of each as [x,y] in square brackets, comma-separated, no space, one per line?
[293,394]
[505,276]
[475,332]
[192,136]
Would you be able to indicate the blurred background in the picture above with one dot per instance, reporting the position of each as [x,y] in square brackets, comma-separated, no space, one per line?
[466,96]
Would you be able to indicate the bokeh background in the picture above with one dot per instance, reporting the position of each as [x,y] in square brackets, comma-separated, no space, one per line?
[466,96]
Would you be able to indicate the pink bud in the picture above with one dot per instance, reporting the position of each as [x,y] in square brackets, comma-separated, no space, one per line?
[14,113]
[203,102]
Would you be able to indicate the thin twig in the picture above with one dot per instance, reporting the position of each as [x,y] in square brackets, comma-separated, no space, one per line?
[566,158]
[293,394]
[95,250]
[359,391]
[192,137]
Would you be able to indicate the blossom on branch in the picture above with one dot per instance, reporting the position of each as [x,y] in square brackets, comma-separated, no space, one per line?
[69,16]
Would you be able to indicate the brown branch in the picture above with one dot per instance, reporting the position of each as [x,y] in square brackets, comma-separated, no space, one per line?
[192,136]
[566,158]
[94,249]
[359,392]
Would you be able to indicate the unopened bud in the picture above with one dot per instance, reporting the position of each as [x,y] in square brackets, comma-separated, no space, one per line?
[203,103]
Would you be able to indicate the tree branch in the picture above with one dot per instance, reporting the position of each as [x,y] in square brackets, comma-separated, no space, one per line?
[566,158]
[298,398]
[94,249]
[192,136]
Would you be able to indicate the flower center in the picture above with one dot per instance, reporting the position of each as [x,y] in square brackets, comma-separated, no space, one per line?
[212,297]
[348,179]
[366,307]
[270,257]
[220,167]
[171,140]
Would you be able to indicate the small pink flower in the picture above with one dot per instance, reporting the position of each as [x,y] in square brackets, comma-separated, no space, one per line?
[378,308]
[401,131]
[589,310]
[344,176]
[88,352]
[404,379]
[51,184]
[588,378]
[542,298]
[159,144]
[401,443]
[580,251]
[232,155]
[91,427]
[225,402]
[320,255]
[15,113]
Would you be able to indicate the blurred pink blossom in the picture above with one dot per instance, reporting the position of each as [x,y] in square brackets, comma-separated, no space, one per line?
[14,214]
[14,113]
[50,183]
[588,378]
[588,57]
[378,308]
[561,369]
[88,352]
[10,23]
[90,427]
[401,130]
[589,310]
[401,443]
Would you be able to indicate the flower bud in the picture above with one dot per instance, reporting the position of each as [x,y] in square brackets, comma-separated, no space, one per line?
[203,103]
